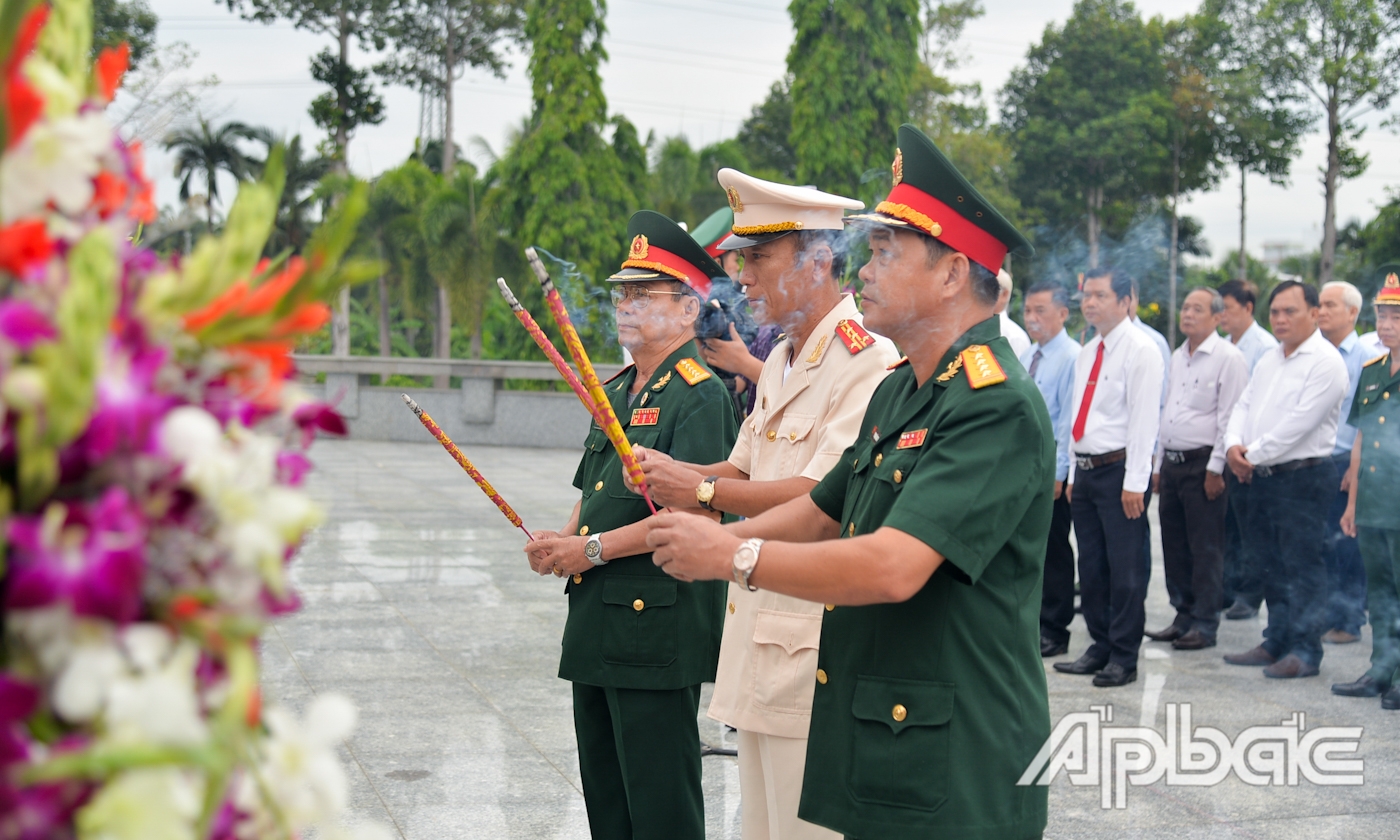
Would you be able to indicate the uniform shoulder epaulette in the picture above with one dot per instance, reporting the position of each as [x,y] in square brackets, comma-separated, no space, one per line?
[903,360]
[691,371]
[853,335]
[1382,357]
[618,374]
[982,367]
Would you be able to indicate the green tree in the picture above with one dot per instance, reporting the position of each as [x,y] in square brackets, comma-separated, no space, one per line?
[435,41]
[1089,117]
[764,138]
[204,149]
[304,173]
[394,225]
[353,101]
[1344,56]
[852,62]
[124,21]
[562,185]
[682,182]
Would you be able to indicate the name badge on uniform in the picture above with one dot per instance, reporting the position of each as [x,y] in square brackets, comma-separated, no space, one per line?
[912,440]
[1373,386]
[645,416]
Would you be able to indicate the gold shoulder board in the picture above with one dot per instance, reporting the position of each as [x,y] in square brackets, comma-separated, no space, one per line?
[1379,358]
[691,371]
[982,367]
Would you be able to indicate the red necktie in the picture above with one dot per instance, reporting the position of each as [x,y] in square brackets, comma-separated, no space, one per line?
[1088,394]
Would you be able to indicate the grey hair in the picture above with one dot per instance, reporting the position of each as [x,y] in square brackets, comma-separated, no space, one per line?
[806,239]
[1217,300]
[1059,295]
[1351,295]
[985,286]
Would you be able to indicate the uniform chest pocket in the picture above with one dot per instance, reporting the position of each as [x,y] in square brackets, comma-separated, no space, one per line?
[640,621]
[791,438]
[785,660]
[900,742]
[1201,395]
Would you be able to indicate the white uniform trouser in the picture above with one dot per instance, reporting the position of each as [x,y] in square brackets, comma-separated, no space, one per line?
[770,782]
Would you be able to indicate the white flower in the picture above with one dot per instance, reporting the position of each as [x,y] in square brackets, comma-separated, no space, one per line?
[151,804]
[93,664]
[157,703]
[188,433]
[299,768]
[55,162]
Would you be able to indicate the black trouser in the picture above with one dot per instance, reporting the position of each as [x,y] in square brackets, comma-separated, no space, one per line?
[639,761]
[1381,549]
[1193,544]
[1057,596]
[1242,581]
[1112,575]
[1287,528]
[1346,574]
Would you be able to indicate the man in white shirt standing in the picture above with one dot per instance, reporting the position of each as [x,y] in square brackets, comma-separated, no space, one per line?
[1207,375]
[1117,400]
[1346,574]
[1239,323]
[1280,443]
[1015,336]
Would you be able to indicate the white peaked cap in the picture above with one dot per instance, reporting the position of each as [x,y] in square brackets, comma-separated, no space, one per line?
[764,210]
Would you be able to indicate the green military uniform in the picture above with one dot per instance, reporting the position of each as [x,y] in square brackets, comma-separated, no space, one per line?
[637,643]
[1375,412]
[927,712]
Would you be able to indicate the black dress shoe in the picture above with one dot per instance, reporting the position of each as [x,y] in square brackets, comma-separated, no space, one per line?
[1391,698]
[1194,640]
[1241,610]
[1049,648]
[1364,687]
[1085,664]
[1170,634]
[1114,675]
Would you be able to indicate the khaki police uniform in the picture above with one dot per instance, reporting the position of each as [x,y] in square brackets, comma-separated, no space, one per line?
[768,656]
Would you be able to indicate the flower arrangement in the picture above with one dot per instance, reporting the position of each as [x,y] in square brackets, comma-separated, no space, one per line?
[152,450]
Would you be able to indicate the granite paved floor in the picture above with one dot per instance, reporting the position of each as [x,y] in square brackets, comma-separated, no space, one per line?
[419,606]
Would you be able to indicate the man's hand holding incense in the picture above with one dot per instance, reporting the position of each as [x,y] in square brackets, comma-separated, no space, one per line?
[553,553]
[670,483]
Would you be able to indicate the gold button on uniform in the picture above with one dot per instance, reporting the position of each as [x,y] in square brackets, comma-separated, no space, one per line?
[1373,469]
[821,676]
[899,713]
[1385,396]
[878,458]
[731,607]
[583,532]
[598,486]
[772,435]
[898,476]
[638,605]
[830,607]
[1380,420]
[792,435]
[851,530]
[578,578]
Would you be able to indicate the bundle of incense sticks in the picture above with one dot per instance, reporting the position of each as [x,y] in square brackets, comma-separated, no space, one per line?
[611,427]
[542,341]
[467,465]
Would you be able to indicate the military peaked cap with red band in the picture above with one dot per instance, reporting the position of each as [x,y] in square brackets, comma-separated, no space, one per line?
[713,230]
[1389,294]
[659,249]
[932,197]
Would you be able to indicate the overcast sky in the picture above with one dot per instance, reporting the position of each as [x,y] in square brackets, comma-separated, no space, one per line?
[697,67]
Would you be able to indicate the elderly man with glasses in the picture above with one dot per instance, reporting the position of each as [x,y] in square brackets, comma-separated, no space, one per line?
[638,643]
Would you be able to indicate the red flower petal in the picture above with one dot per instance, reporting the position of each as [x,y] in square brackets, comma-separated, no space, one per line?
[23,105]
[273,289]
[110,67]
[26,37]
[23,244]
[108,194]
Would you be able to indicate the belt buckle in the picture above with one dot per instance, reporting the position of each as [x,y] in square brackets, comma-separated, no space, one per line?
[1263,471]
[1175,457]
[1084,462]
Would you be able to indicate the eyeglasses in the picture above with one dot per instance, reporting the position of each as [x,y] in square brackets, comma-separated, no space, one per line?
[639,295]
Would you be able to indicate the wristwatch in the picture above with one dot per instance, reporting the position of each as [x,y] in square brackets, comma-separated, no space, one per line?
[705,492]
[593,550]
[745,559]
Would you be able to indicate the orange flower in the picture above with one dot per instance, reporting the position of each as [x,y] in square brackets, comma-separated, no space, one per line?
[217,308]
[307,318]
[273,289]
[23,244]
[23,104]
[110,67]
[260,369]
[108,193]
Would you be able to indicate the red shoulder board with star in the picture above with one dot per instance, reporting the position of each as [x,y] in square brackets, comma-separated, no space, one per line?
[982,367]
[691,371]
[853,335]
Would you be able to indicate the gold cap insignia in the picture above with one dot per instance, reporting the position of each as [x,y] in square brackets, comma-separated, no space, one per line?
[735,203]
[1391,281]
[639,248]
[897,168]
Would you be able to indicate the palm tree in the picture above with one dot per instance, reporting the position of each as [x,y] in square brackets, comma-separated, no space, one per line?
[393,218]
[203,149]
[304,188]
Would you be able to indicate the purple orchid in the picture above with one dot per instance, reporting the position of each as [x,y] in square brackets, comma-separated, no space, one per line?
[23,324]
[292,468]
[94,561]
[315,416]
[129,407]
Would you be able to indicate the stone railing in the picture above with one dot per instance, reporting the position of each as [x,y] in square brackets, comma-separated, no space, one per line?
[480,411]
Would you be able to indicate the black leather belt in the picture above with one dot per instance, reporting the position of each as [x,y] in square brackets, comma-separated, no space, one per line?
[1290,466]
[1181,456]
[1092,462]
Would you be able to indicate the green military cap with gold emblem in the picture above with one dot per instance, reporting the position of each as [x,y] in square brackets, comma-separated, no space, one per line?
[1389,295]
[766,210]
[713,230]
[932,197]
[660,249]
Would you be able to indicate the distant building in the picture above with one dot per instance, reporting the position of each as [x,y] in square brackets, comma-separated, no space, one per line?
[1276,252]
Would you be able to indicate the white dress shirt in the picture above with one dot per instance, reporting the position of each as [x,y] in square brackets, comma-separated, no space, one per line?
[1201,392]
[1289,410]
[1255,342]
[1015,336]
[1126,407]
[1162,347]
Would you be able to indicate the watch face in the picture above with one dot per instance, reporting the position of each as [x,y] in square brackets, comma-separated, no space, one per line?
[592,549]
[705,492]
